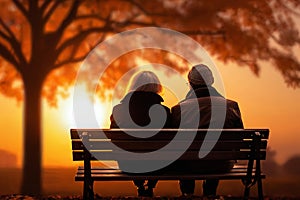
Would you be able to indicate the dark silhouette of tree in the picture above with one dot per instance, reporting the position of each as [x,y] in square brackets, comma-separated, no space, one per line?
[41,41]
[291,166]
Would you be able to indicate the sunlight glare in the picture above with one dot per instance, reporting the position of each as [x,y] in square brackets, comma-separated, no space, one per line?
[99,109]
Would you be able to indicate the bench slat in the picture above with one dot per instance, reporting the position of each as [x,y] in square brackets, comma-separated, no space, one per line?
[236,166]
[127,177]
[104,173]
[118,171]
[190,155]
[155,145]
[167,134]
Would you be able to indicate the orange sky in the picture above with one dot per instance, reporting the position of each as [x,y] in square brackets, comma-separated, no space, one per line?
[265,102]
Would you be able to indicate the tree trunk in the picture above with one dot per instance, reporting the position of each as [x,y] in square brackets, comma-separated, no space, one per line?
[32,141]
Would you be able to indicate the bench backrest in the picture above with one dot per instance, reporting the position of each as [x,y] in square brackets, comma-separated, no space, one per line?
[233,144]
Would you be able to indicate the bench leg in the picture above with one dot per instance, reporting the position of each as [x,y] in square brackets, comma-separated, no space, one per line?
[246,192]
[260,189]
[88,190]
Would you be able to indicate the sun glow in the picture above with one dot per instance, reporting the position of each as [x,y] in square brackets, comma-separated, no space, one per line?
[57,123]
[87,100]
[66,108]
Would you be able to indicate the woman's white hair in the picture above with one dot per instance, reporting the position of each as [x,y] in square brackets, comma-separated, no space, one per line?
[145,81]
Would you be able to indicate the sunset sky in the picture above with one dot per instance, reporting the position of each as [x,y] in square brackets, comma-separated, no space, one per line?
[265,102]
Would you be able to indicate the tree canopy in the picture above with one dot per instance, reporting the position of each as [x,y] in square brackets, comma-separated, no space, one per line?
[248,33]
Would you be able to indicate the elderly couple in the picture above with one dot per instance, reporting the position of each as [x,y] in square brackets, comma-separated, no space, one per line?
[142,96]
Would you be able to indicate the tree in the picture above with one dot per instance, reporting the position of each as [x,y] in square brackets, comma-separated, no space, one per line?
[42,40]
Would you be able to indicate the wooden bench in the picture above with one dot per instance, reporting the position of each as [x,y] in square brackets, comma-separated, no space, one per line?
[247,146]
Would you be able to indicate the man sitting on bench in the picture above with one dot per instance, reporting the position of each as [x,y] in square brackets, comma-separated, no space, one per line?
[200,80]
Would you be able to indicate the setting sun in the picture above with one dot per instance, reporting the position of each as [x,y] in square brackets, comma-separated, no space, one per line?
[57,124]
[66,108]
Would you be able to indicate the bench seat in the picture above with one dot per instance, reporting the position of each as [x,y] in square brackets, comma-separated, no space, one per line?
[107,174]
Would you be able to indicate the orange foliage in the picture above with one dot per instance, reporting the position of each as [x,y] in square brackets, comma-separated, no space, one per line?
[10,82]
[244,32]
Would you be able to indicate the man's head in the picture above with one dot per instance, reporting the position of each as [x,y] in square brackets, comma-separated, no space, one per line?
[200,75]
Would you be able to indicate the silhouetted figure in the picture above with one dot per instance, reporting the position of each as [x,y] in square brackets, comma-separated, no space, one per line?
[200,80]
[142,95]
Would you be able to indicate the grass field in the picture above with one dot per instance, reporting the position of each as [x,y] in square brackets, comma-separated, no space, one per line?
[60,181]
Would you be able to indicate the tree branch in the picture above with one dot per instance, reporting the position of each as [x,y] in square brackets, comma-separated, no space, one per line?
[4,36]
[20,6]
[80,37]
[118,23]
[90,16]
[289,9]
[70,17]
[80,58]
[6,28]
[131,21]
[50,11]
[15,44]
[69,61]
[141,8]
[201,32]
[45,5]
[7,55]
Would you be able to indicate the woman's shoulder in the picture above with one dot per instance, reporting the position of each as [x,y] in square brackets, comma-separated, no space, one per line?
[142,96]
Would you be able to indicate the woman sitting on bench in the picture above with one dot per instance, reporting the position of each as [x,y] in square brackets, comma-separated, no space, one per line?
[143,94]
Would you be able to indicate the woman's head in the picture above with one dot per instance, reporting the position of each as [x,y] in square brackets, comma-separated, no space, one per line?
[145,81]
